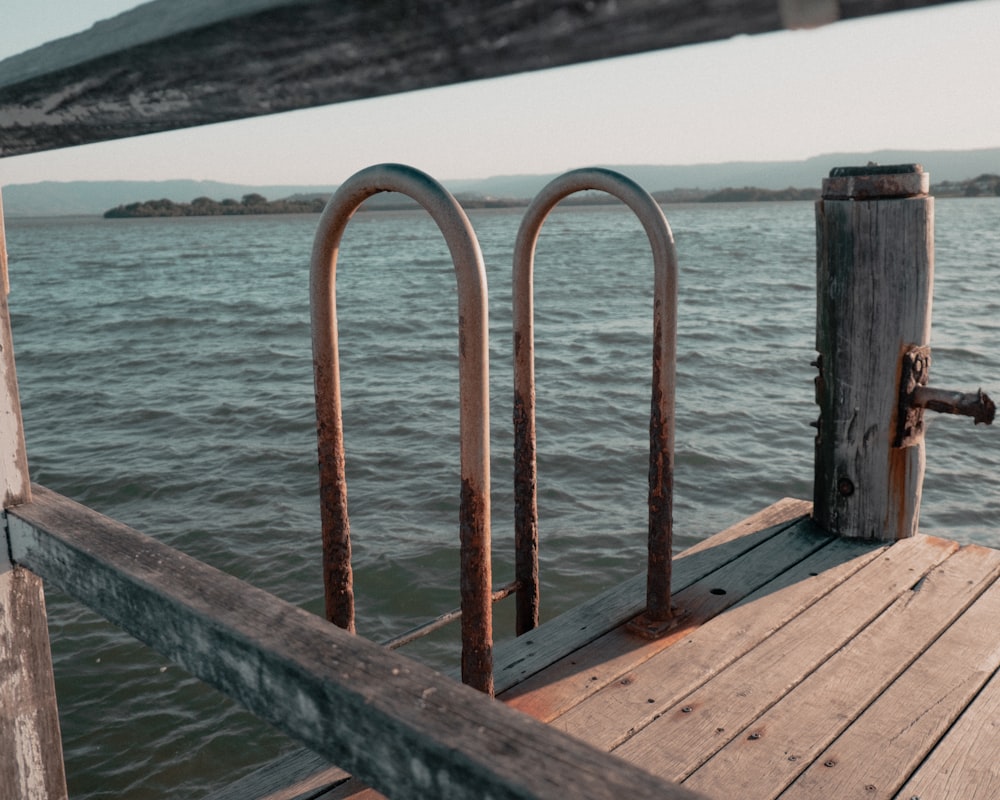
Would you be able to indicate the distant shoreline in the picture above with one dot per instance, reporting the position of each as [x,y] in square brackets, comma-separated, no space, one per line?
[258,205]
[986,185]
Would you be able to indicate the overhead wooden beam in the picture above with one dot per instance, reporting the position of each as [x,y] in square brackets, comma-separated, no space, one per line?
[174,64]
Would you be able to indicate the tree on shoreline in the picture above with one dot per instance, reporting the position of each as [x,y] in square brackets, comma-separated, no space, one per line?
[207,207]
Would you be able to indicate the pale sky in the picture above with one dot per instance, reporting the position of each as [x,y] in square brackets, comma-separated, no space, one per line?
[920,80]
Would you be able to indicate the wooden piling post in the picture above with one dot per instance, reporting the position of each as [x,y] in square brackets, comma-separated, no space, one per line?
[31,763]
[875,271]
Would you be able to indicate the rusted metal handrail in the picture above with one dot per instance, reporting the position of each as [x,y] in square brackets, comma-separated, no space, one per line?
[473,371]
[661,426]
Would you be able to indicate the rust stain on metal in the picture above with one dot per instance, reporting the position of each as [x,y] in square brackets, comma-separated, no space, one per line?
[977,405]
[915,368]
[474,524]
[525,514]
[915,396]
[477,611]
[664,355]
[661,484]
[899,478]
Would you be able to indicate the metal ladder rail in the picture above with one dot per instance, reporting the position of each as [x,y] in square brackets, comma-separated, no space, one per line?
[470,272]
[657,615]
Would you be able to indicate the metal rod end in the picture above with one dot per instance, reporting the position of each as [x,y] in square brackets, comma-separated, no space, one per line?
[648,627]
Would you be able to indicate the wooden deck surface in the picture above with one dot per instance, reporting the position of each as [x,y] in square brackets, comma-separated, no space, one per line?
[802,667]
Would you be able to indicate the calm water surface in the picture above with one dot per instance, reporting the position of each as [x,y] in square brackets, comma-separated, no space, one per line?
[165,374]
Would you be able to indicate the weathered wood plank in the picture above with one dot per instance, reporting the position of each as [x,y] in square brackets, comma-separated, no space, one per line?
[403,728]
[517,659]
[785,740]
[31,764]
[875,272]
[681,741]
[550,693]
[964,764]
[15,486]
[911,715]
[610,716]
[582,673]
[179,63]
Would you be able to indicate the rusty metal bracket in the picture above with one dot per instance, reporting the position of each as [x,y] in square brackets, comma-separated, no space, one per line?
[915,372]
[915,395]
[977,404]
[647,626]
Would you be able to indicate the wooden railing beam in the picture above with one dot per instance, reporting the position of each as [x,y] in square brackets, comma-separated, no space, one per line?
[403,728]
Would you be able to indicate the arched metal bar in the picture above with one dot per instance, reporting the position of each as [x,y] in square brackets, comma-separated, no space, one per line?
[661,426]
[474,525]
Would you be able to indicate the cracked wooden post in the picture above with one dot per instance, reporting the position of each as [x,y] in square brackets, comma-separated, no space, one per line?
[31,764]
[875,272]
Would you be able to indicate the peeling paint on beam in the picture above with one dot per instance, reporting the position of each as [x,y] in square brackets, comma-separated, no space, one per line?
[173,64]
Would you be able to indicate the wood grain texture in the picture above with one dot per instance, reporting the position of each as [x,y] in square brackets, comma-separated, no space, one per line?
[572,679]
[180,63]
[31,766]
[403,728]
[875,274]
[964,764]
[681,741]
[911,715]
[792,733]
[15,486]
[622,708]
[516,660]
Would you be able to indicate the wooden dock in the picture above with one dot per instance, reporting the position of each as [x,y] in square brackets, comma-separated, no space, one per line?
[794,664]
[802,666]
[846,657]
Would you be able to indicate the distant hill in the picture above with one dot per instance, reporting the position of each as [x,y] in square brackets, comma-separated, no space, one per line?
[943,165]
[95,197]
